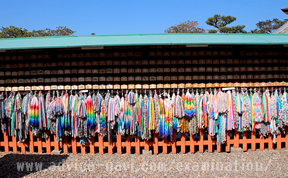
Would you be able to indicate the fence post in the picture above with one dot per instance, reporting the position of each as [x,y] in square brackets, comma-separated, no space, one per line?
[236,139]
[14,144]
[74,145]
[228,142]
[165,145]
[155,144]
[128,145]
[110,146]
[253,140]
[31,143]
[262,146]
[64,142]
[48,144]
[244,141]
[92,151]
[6,142]
[183,143]
[174,150]
[119,143]
[210,146]
[39,142]
[201,141]
[192,144]
[286,137]
[137,145]
[270,142]
[100,140]
[278,140]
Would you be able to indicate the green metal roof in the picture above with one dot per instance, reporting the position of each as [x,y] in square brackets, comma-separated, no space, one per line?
[143,39]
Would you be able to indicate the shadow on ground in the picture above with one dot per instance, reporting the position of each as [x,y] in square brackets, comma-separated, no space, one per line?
[19,165]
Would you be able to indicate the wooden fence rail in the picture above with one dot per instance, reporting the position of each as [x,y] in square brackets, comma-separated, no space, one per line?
[173,146]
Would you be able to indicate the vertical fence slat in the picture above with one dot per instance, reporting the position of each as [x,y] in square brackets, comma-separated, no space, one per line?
[6,142]
[155,145]
[65,147]
[183,143]
[100,140]
[228,142]
[174,150]
[146,145]
[192,144]
[48,144]
[83,150]
[164,145]
[236,139]
[278,140]
[253,139]
[137,146]
[210,146]
[23,148]
[92,151]
[74,145]
[270,142]
[128,145]
[14,144]
[31,143]
[201,141]
[262,143]
[39,144]
[110,147]
[119,143]
[56,143]
[244,141]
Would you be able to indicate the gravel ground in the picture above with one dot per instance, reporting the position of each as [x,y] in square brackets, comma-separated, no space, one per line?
[237,164]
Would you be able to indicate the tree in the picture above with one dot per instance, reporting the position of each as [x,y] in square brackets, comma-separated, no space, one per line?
[14,32]
[220,23]
[60,31]
[185,27]
[268,26]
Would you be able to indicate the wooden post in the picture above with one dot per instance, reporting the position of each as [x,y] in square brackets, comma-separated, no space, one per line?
[83,151]
[278,140]
[128,145]
[155,145]
[100,140]
[270,142]
[210,145]
[74,145]
[31,143]
[192,144]
[6,142]
[22,147]
[119,143]
[146,145]
[201,141]
[183,143]
[39,142]
[286,138]
[236,139]
[92,151]
[56,143]
[48,144]
[165,145]
[14,144]
[228,142]
[262,145]
[244,141]
[253,141]
[137,145]
[174,149]
[65,147]
[110,146]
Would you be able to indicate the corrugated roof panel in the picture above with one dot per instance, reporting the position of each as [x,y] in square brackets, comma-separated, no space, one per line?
[143,39]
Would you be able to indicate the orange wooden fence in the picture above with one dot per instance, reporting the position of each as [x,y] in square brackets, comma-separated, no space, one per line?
[137,145]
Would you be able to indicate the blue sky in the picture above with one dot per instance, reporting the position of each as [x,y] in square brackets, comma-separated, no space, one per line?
[133,17]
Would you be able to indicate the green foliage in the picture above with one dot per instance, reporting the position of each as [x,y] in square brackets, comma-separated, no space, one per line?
[233,29]
[16,32]
[218,21]
[268,26]
[212,31]
[185,27]
[60,31]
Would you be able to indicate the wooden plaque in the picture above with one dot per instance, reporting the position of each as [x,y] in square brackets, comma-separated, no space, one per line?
[109,86]
[54,87]
[95,86]
[188,85]
[166,85]
[27,88]
[116,86]
[124,87]
[160,86]
[138,86]
[152,86]
[88,86]
[102,87]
